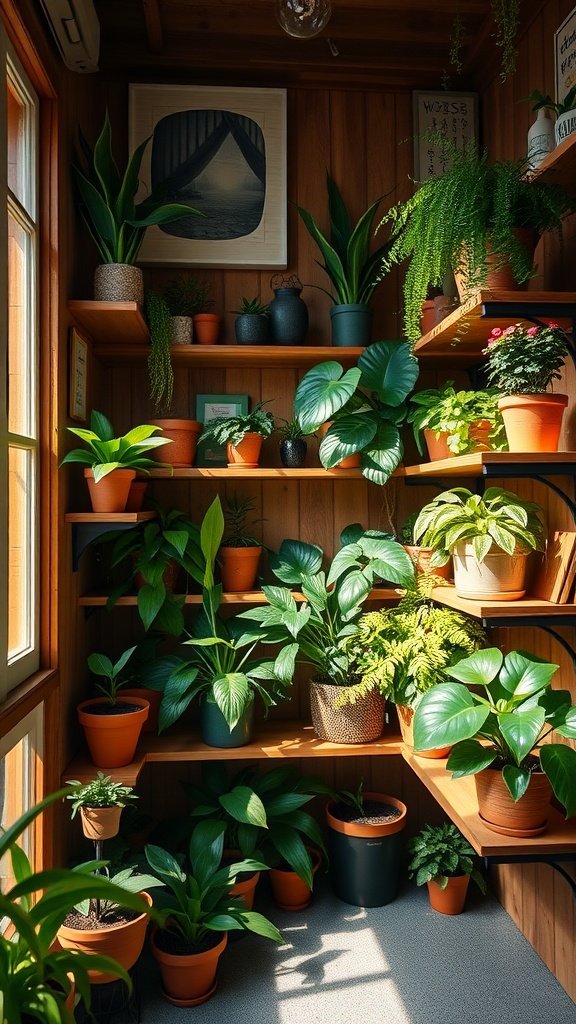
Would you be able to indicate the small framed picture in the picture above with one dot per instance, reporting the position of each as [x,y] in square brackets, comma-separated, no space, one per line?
[78,385]
[210,407]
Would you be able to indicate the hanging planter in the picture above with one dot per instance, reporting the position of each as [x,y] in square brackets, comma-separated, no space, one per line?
[366,849]
[100,823]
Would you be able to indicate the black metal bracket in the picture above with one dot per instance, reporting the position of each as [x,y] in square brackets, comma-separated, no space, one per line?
[552,860]
[84,534]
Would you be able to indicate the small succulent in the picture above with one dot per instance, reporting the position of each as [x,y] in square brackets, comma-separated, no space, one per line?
[252,307]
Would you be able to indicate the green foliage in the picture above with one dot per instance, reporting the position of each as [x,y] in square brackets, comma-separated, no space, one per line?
[440,852]
[160,372]
[198,901]
[541,101]
[507,20]
[497,518]
[509,703]
[233,429]
[525,360]
[186,295]
[354,273]
[291,431]
[100,792]
[445,410]
[111,673]
[106,198]
[236,512]
[127,879]
[446,224]
[321,628]
[354,798]
[106,452]
[402,652]
[365,406]
[252,307]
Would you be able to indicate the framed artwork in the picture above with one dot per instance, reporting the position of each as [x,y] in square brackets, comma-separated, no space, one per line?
[209,407]
[565,56]
[222,151]
[78,383]
[452,115]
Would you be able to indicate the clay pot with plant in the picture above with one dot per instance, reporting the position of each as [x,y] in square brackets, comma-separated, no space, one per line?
[100,803]
[251,326]
[522,364]
[240,552]
[185,296]
[498,712]
[442,859]
[112,723]
[456,422]
[293,447]
[242,435]
[420,555]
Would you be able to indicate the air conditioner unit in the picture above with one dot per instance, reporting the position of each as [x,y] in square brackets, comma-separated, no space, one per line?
[76,29]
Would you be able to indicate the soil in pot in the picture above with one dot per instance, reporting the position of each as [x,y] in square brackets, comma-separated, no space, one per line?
[112,730]
[450,900]
[533,422]
[188,977]
[366,849]
[360,722]
[239,568]
[121,935]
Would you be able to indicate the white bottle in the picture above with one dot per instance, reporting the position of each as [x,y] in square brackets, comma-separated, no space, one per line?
[541,139]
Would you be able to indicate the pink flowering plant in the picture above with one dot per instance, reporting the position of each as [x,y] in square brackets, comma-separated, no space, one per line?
[525,360]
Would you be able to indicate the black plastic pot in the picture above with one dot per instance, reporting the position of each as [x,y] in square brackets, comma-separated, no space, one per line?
[251,329]
[366,859]
[293,452]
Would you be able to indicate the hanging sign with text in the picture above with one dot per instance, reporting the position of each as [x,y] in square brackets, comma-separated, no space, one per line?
[449,115]
[565,56]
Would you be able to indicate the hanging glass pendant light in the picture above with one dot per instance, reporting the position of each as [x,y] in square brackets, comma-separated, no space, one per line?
[303,18]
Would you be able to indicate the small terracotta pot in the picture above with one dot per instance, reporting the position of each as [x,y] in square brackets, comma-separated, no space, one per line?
[188,979]
[99,823]
[110,494]
[206,328]
[154,698]
[427,317]
[437,444]
[450,900]
[247,453]
[351,461]
[239,568]
[421,559]
[360,722]
[528,817]
[288,889]
[136,496]
[499,577]
[245,889]
[533,422]
[183,435]
[123,942]
[112,739]
[406,718]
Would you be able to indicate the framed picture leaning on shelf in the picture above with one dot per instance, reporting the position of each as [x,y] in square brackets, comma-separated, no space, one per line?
[209,407]
[222,151]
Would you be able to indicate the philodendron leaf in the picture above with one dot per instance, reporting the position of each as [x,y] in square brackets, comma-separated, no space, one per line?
[382,455]
[389,369]
[346,436]
[479,669]
[469,757]
[516,779]
[323,391]
[446,715]
[559,762]
[243,804]
[522,676]
[296,559]
[521,729]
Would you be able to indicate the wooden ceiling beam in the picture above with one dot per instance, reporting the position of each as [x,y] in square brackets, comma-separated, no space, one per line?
[153,22]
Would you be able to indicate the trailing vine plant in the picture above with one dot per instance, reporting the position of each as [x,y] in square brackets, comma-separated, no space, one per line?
[160,372]
[507,19]
[455,47]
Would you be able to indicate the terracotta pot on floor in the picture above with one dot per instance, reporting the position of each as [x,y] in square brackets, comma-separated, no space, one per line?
[450,900]
[188,979]
[289,890]
[110,494]
[245,887]
[123,942]
[533,422]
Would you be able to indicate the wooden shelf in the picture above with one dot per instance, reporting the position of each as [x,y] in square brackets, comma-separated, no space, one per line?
[250,597]
[121,323]
[273,740]
[559,167]
[263,357]
[528,607]
[109,517]
[464,333]
[458,798]
[490,463]
[260,473]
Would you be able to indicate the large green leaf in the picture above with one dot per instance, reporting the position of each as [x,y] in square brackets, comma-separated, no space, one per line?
[292,849]
[559,762]
[232,694]
[522,675]
[382,455]
[516,780]
[332,262]
[346,436]
[179,691]
[469,757]
[260,926]
[352,591]
[323,391]
[243,804]
[296,559]
[446,715]
[479,669]
[389,369]
[341,228]
[211,533]
[521,729]
[150,600]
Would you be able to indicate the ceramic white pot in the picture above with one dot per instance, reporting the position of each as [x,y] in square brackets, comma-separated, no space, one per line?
[499,577]
[541,139]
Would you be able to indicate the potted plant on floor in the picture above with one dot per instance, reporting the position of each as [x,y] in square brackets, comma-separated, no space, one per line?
[364,406]
[480,219]
[100,803]
[442,859]
[365,846]
[498,711]
[113,461]
[200,913]
[242,435]
[115,223]
[251,324]
[456,422]
[488,536]
[522,364]
[322,628]
[354,271]
[402,652]
[292,446]
[112,724]
[240,552]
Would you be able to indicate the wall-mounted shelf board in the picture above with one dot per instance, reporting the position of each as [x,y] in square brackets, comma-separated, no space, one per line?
[559,167]
[262,357]
[260,473]
[458,798]
[249,597]
[278,739]
[89,526]
[121,518]
[121,323]
[464,333]
[528,607]
[495,464]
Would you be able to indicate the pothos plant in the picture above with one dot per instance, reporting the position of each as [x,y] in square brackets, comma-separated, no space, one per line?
[445,410]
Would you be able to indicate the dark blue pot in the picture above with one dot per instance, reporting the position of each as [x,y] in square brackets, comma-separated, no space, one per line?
[214,728]
[351,324]
[288,317]
[251,329]
[293,452]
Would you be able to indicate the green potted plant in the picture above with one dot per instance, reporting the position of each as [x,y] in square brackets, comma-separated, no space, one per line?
[442,859]
[322,628]
[488,536]
[117,224]
[100,802]
[113,461]
[364,407]
[522,364]
[456,422]
[240,552]
[565,123]
[242,435]
[354,271]
[112,723]
[292,446]
[421,555]
[402,652]
[251,324]
[468,221]
[185,296]
[498,711]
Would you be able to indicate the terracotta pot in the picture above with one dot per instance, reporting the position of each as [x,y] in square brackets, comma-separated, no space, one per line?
[247,453]
[360,722]
[351,462]
[136,496]
[206,328]
[188,979]
[528,817]
[421,558]
[245,889]
[533,422]
[450,900]
[437,444]
[239,568]
[154,698]
[123,942]
[500,577]
[503,279]
[99,823]
[110,494]
[427,317]
[405,718]
[71,997]
[118,282]
[184,436]
[288,889]
[112,739]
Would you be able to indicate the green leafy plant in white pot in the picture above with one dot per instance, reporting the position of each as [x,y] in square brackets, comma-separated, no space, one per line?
[565,111]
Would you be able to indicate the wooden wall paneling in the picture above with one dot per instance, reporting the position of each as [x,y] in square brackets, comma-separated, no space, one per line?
[239,284]
[382,141]
[350,506]
[404,176]
[311,135]
[563,923]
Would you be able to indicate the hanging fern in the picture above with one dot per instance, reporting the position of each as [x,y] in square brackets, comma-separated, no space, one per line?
[160,370]
[507,19]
